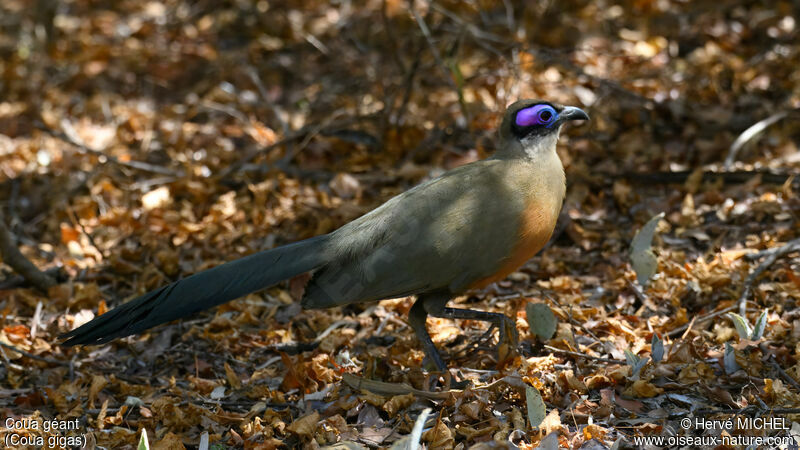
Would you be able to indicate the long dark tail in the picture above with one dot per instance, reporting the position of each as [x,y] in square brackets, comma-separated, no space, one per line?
[201,291]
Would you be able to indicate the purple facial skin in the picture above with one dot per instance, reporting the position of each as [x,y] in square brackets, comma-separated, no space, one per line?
[533,116]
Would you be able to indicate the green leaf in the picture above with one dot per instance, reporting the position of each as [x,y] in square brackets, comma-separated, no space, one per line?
[729,359]
[143,444]
[657,348]
[760,326]
[643,260]
[541,320]
[631,358]
[550,442]
[536,409]
[133,402]
[639,366]
[635,362]
[742,326]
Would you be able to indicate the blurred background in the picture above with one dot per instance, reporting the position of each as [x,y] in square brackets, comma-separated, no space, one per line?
[142,141]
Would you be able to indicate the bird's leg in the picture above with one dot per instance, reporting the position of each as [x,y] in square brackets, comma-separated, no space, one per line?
[434,305]
[505,326]
[416,318]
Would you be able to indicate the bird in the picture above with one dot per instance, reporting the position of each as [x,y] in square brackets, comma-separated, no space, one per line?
[459,232]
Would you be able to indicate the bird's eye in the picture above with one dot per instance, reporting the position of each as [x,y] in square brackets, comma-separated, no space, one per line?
[536,115]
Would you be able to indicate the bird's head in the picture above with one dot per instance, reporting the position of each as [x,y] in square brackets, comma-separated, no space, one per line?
[535,124]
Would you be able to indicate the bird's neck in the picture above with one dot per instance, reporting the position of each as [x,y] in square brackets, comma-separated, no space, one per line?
[533,149]
[540,156]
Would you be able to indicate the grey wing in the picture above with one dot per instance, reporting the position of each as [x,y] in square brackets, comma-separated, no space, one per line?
[415,242]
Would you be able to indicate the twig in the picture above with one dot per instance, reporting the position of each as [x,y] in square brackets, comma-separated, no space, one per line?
[16,281]
[584,356]
[150,182]
[709,175]
[293,348]
[76,221]
[138,165]
[688,328]
[36,319]
[752,132]
[409,86]
[305,134]
[253,154]
[391,389]
[783,373]
[474,30]
[8,361]
[637,290]
[554,56]
[312,132]
[262,90]
[770,251]
[678,331]
[789,247]
[510,15]
[448,72]
[392,37]
[17,261]
[426,32]
[229,110]
[36,357]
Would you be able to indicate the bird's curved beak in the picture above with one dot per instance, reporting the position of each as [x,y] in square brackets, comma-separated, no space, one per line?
[572,113]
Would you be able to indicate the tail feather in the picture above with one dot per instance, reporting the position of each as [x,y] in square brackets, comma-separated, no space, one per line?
[201,291]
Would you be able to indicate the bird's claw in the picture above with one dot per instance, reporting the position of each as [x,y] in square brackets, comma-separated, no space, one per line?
[485,337]
[508,338]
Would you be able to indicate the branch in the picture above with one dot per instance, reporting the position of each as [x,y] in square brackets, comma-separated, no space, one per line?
[36,357]
[16,260]
[679,331]
[138,165]
[750,133]
[774,363]
[16,281]
[770,251]
[553,56]
[448,72]
[733,177]
[584,356]
[304,135]
[254,153]
[771,257]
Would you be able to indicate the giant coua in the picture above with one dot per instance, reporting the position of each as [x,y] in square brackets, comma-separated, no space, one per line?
[468,228]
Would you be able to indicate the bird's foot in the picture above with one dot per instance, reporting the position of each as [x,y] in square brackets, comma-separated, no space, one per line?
[508,340]
[483,340]
[507,332]
[446,380]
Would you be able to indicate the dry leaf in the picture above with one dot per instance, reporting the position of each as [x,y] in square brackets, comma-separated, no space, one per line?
[305,426]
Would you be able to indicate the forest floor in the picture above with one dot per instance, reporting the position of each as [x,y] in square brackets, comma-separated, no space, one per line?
[141,142]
